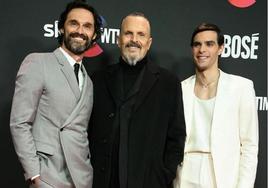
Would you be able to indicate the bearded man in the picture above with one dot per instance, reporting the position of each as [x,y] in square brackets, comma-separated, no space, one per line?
[137,128]
[52,104]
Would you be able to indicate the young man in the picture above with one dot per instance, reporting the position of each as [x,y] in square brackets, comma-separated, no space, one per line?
[137,128]
[52,105]
[221,120]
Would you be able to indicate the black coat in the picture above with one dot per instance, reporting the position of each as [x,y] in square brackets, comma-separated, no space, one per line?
[156,131]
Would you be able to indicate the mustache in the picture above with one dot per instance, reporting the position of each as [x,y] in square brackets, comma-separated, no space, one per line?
[133,44]
[74,35]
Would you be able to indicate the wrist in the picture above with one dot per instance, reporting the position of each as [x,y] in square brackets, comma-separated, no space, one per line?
[34,179]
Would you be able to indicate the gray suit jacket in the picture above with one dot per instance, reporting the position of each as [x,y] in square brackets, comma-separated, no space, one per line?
[49,120]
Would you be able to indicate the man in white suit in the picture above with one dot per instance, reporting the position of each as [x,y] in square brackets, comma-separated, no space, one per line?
[52,105]
[221,120]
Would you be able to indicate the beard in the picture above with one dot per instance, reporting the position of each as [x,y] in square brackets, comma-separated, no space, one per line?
[132,59]
[75,46]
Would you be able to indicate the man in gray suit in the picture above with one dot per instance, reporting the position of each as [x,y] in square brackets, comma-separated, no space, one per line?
[52,104]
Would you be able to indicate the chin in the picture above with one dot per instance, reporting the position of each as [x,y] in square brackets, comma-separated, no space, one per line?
[201,68]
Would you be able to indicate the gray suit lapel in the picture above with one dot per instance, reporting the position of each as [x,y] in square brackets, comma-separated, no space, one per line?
[68,72]
[86,88]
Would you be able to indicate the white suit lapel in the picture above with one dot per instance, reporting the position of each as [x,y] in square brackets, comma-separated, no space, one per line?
[220,102]
[188,98]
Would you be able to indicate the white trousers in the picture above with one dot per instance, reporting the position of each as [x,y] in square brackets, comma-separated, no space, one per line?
[197,172]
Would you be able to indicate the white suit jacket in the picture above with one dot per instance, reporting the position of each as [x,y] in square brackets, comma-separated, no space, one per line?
[234,131]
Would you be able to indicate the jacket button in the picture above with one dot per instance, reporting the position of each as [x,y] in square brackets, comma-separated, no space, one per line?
[104,141]
[61,129]
[102,168]
[111,115]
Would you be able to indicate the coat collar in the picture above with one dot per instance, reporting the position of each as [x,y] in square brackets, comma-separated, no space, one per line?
[69,75]
[68,72]
[150,77]
[188,99]
[114,81]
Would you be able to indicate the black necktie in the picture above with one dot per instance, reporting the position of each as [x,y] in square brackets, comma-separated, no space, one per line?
[76,70]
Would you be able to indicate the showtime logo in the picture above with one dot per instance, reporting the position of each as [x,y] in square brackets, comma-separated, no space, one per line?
[244,47]
[242,3]
[262,103]
[51,30]
[108,36]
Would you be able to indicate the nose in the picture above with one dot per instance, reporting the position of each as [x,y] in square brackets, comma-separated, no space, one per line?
[80,29]
[134,38]
[202,48]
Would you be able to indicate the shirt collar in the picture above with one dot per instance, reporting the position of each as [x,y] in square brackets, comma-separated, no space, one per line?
[69,58]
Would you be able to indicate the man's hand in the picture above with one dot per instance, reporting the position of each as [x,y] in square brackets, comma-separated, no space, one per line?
[36,182]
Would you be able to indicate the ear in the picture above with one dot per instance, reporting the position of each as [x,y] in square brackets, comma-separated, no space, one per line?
[221,48]
[118,41]
[61,31]
[150,42]
[94,36]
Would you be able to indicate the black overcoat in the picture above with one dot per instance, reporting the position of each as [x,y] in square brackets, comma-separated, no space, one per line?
[156,131]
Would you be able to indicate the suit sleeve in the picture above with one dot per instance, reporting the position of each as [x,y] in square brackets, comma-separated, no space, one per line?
[176,136]
[248,138]
[28,90]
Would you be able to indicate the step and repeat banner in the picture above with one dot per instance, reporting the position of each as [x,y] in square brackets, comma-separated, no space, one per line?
[32,26]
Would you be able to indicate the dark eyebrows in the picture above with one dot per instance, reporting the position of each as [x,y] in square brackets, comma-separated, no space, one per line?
[128,32]
[208,43]
[74,21]
[196,43]
[141,33]
[88,24]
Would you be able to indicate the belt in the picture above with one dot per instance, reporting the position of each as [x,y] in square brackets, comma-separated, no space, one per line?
[202,152]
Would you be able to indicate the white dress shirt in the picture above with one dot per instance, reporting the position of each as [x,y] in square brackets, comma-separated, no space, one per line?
[72,62]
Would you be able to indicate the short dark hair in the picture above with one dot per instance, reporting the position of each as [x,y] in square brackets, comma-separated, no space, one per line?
[208,27]
[80,4]
[136,14]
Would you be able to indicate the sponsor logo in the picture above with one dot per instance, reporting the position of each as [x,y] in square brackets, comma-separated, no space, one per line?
[242,3]
[109,35]
[245,47]
[262,103]
[51,30]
